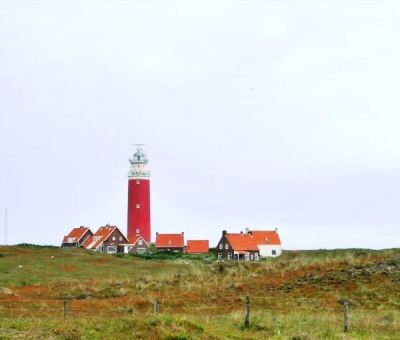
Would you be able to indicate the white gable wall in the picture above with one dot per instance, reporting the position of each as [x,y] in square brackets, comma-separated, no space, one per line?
[266,250]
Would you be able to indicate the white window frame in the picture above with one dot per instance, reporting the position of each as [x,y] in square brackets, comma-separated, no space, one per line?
[226,246]
[140,242]
[229,256]
[112,247]
[113,238]
[221,246]
[120,238]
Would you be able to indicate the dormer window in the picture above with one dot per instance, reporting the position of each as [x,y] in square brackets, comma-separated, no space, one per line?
[169,242]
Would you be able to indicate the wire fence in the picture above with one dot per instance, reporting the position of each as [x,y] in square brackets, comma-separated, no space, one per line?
[340,312]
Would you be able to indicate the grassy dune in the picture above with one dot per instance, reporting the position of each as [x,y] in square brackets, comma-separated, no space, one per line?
[295,296]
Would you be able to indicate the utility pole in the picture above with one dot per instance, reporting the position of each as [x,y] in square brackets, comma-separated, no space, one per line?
[5,226]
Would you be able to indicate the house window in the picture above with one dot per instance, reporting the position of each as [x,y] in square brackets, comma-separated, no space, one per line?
[140,242]
[273,252]
[113,238]
[71,239]
[226,246]
[251,256]
[256,257]
[247,256]
[111,249]
[219,256]
[221,246]
[229,256]
[138,205]
[120,238]
[137,181]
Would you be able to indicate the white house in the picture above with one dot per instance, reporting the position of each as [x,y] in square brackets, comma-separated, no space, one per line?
[268,242]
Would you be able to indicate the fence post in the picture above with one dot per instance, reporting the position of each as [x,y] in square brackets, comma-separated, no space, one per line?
[65,308]
[247,317]
[346,315]
[156,307]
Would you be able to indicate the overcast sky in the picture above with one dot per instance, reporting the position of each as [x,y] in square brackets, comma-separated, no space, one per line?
[254,114]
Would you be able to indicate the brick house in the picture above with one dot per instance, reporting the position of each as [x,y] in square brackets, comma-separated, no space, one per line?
[137,245]
[197,247]
[170,242]
[76,237]
[107,239]
[240,246]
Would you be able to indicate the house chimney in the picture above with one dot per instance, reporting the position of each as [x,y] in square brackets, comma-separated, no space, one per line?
[276,230]
[223,232]
[241,232]
[182,233]
[157,233]
[247,230]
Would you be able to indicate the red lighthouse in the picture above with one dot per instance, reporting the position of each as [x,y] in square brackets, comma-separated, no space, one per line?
[139,197]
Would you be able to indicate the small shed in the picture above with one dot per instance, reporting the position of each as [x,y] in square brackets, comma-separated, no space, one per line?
[197,247]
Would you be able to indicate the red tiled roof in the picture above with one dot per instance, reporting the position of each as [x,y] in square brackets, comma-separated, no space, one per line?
[197,246]
[76,234]
[169,241]
[93,242]
[134,239]
[242,242]
[266,237]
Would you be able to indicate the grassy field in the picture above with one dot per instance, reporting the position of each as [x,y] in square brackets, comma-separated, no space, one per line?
[295,296]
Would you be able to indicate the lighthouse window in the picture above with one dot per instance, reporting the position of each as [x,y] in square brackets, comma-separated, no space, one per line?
[138,205]
[138,231]
[137,181]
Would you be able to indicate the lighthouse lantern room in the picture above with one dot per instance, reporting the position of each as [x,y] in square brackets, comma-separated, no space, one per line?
[139,197]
